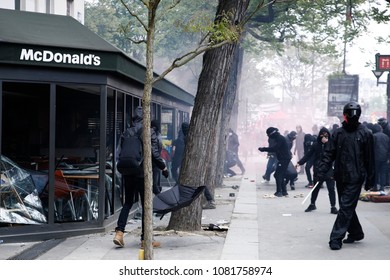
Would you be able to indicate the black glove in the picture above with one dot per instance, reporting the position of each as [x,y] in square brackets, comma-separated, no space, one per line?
[262,149]
[165,173]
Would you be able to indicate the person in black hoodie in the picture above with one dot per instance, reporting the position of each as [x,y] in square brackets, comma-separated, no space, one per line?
[309,140]
[155,125]
[352,151]
[179,146]
[382,155]
[315,154]
[283,155]
[134,185]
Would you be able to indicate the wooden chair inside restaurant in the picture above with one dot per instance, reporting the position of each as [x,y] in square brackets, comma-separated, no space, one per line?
[69,199]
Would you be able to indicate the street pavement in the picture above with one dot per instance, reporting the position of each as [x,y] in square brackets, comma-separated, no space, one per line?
[260,227]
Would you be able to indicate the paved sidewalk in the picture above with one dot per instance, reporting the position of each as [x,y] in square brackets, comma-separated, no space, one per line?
[260,227]
[205,244]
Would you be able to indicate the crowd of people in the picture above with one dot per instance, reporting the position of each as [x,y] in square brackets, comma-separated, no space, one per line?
[346,158]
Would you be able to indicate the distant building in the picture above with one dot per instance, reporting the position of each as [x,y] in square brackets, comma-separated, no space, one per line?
[73,8]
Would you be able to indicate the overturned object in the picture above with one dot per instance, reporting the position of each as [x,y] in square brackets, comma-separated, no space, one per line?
[175,198]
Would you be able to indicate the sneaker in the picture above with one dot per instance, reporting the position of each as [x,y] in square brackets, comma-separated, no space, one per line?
[209,205]
[311,208]
[292,186]
[155,244]
[333,210]
[278,194]
[118,239]
[265,181]
[310,186]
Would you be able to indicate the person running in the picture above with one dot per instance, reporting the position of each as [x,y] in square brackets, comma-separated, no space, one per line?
[232,147]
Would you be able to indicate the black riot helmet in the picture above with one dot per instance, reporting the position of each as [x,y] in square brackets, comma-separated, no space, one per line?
[352,112]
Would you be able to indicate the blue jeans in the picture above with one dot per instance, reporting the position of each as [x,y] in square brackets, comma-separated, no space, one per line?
[271,167]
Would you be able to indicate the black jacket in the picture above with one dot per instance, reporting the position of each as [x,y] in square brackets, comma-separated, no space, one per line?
[382,146]
[179,144]
[279,147]
[155,145]
[352,151]
[308,141]
[315,153]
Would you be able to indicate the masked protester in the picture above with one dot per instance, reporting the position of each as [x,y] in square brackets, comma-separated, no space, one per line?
[352,151]
[315,154]
[283,155]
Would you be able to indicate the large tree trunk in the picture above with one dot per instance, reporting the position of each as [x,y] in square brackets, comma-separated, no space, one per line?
[200,149]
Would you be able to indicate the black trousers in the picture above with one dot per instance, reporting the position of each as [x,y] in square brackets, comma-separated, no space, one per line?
[280,174]
[347,221]
[134,188]
[331,192]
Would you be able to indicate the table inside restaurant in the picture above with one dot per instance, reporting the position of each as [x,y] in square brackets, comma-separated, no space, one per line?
[88,176]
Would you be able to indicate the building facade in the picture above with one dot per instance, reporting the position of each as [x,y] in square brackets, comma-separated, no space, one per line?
[66,95]
[73,8]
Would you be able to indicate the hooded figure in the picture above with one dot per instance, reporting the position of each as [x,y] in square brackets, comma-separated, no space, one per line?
[232,151]
[291,136]
[179,146]
[385,126]
[134,185]
[382,155]
[315,154]
[299,147]
[308,142]
[283,155]
[352,151]
[155,125]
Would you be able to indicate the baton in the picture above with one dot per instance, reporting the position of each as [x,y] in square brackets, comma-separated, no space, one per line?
[303,202]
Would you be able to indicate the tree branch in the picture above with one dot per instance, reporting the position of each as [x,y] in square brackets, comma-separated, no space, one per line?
[265,38]
[135,15]
[180,61]
[170,7]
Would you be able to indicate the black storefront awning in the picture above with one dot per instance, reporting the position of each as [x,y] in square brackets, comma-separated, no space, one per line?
[46,40]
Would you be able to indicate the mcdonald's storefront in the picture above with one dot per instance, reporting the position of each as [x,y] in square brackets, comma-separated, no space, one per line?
[65,97]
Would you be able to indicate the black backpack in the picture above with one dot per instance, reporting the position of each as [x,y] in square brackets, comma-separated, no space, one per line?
[131,154]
